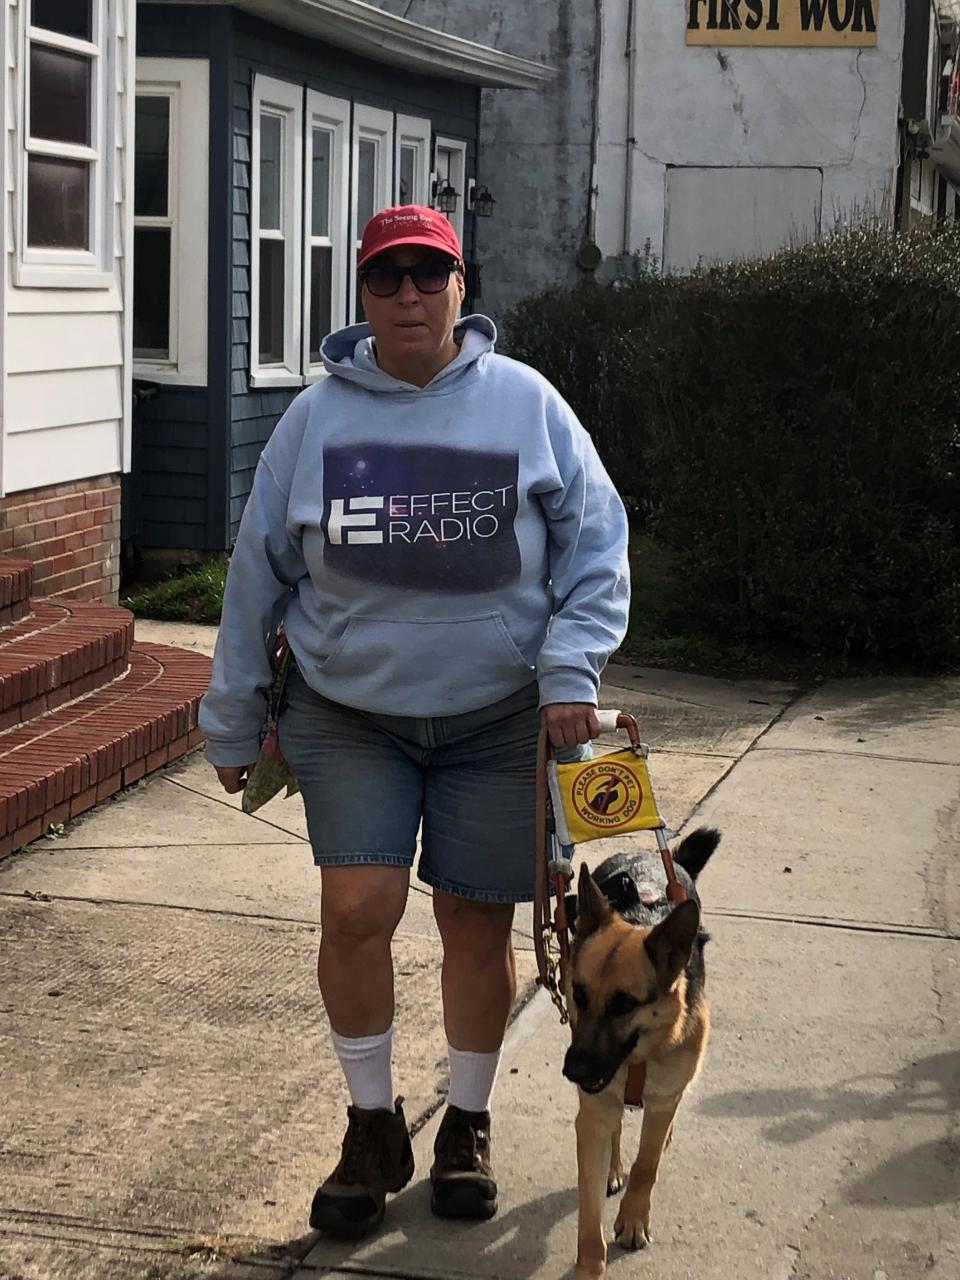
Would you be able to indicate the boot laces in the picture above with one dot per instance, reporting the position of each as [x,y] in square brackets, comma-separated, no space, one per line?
[361,1151]
[461,1143]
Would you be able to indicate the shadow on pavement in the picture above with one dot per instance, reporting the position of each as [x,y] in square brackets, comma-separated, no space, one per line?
[925,1175]
[515,1243]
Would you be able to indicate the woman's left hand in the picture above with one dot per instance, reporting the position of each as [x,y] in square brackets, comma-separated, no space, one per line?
[569,724]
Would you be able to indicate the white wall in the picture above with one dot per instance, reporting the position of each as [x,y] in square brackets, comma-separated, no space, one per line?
[832,110]
[66,359]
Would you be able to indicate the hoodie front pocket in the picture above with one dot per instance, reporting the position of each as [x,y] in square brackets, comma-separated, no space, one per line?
[416,667]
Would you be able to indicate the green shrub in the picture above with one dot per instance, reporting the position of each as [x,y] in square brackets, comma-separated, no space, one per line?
[193,595]
[788,429]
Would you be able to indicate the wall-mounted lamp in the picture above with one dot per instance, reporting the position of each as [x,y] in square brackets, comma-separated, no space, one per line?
[479,200]
[445,195]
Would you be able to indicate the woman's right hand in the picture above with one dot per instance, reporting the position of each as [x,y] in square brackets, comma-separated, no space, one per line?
[233,778]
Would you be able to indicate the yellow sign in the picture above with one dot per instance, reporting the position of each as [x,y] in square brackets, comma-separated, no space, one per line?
[608,796]
[820,23]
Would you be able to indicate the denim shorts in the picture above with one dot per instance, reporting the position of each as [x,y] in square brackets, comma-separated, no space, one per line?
[468,782]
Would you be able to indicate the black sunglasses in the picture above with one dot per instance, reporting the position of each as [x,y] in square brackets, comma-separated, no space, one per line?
[384,279]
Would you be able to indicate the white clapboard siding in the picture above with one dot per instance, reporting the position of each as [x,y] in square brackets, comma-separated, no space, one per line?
[66,360]
[36,458]
[57,342]
[36,401]
[53,301]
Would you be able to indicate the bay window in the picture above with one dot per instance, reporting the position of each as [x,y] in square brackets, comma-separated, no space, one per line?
[326,202]
[413,160]
[372,179]
[275,259]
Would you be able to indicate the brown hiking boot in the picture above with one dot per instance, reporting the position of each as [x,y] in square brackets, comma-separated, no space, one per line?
[376,1157]
[461,1180]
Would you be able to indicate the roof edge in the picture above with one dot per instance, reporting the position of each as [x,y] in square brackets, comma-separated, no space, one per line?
[364,29]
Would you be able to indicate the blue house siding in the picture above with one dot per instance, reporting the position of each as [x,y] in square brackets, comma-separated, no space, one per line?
[196,450]
[171,462]
[180,452]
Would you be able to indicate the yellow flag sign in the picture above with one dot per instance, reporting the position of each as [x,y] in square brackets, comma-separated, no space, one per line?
[608,796]
[806,23]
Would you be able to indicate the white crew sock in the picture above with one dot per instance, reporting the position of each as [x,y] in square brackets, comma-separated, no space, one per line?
[366,1064]
[472,1077]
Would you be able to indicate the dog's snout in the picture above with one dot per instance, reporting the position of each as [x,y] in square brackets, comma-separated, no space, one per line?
[584,1066]
[578,1066]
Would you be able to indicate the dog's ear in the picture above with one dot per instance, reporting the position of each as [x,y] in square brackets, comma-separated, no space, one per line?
[670,944]
[593,910]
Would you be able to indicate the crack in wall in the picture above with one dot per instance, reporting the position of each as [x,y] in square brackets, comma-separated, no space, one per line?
[863,103]
[739,102]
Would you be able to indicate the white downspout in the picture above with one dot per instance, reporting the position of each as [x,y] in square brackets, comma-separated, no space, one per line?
[631,138]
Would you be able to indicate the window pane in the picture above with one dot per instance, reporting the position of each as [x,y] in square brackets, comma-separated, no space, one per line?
[408,168]
[271,147]
[151,292]
[69,17]
[59,95]
[320,287]
[271,301]
[366,181]
[58,203]
[322,143]
[152,157]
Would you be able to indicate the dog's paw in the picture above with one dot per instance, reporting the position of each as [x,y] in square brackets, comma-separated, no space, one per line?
[632,1229]
[615,1182]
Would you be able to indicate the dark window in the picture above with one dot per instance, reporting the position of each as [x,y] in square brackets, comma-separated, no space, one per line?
[151,292]
[366,181]
[152,158]
[58,203]
[271,141]
[320,182]
[408,162]
[68,17]
[321,284]
[271,301]
[59,95]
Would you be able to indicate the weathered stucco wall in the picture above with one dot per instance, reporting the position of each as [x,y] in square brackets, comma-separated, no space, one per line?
[535,146]
[832,110]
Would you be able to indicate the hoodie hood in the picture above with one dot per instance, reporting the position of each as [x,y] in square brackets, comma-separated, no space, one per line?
[349,354]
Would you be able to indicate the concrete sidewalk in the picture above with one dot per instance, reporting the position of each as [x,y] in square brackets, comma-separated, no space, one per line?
[171,1099]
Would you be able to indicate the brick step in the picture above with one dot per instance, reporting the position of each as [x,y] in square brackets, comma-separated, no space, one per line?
[16,583]
[59,653]
[64,762]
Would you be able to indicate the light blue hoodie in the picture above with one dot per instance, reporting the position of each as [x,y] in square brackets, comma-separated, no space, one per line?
[428,551]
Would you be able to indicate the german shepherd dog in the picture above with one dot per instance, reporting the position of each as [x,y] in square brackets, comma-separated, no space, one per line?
[635,994]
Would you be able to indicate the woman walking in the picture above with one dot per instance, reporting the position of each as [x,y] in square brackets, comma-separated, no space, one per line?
[447,556]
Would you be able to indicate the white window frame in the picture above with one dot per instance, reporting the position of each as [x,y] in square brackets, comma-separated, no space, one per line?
[185,83]
[374,125]
[333,115]
[414,133]
[70,268]
[457,151]
[283,99]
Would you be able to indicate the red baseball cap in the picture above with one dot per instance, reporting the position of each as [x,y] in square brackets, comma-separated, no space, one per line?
[408,224]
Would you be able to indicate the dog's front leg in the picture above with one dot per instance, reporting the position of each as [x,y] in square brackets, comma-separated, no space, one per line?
[632,1227]
[597,1121]
[615,1176]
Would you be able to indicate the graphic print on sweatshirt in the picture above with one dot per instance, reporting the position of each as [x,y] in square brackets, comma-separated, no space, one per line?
[425,518]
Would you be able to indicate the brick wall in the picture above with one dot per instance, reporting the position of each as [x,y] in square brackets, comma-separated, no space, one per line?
[71,532]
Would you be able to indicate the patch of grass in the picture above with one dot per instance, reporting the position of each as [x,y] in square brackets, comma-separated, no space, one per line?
[195,595]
